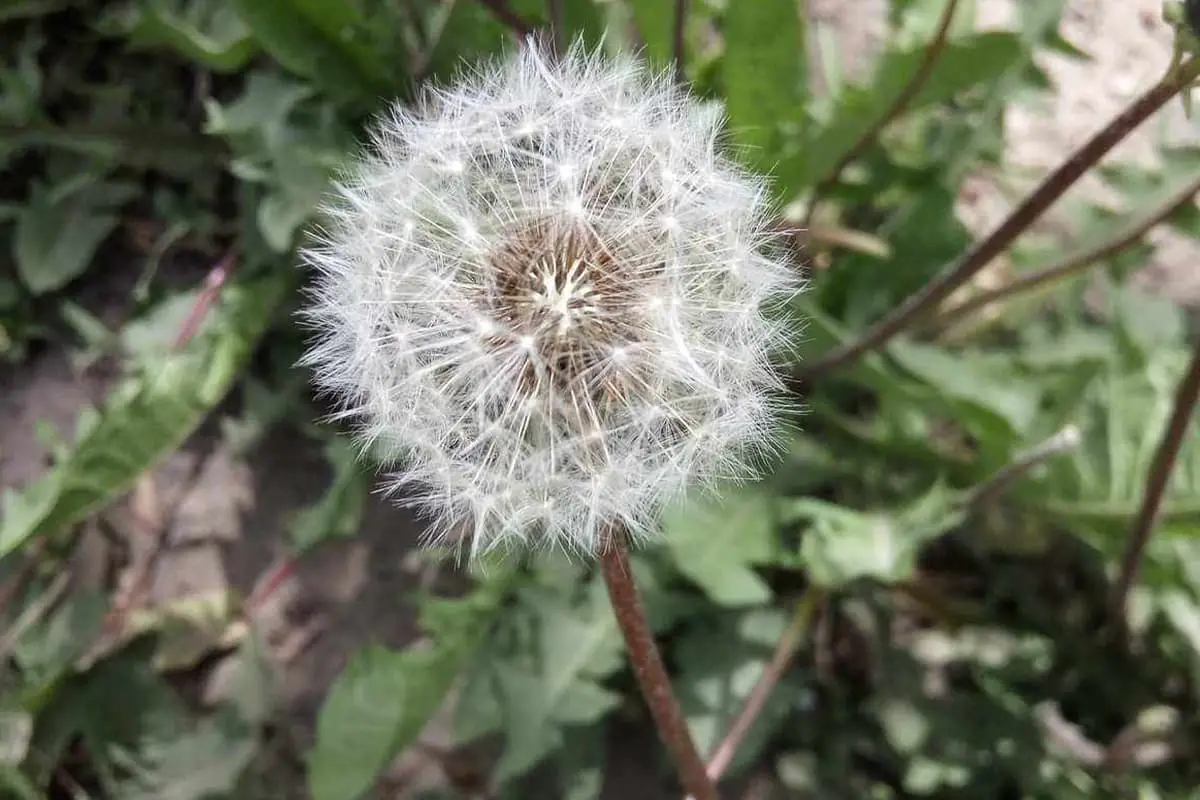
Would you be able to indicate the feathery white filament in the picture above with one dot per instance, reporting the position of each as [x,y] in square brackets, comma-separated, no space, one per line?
[542,295]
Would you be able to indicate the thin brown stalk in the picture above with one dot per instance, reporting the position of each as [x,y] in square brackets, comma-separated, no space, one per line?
[648,668]
[919,77]
[1186,397]
[1070,264]
[677,39]
[926,299]
[785,651]
[510,19]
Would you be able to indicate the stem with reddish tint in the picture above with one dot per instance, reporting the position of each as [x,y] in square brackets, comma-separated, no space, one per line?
[926,300]
[1186,397]
[649,669]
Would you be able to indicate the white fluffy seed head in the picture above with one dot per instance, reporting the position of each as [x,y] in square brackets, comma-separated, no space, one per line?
[544,295]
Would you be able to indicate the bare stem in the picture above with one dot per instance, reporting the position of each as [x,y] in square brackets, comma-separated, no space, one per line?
[677,37]
[932,52]
[648,668]
[1186,397]
[981,254]
[503,12]
[1072,263]
[1062,442]
[785,651]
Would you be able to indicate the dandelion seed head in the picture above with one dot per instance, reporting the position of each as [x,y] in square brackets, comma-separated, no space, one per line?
[543,295]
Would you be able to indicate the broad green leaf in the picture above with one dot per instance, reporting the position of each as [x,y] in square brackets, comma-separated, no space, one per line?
[576,650]
[47,652]
[655,21]
[145,417]
[470,31]
[843,545]
[716,542]
[763,72]
[990,384]
[383,699]
[204,31]
[963,64]
[204,762]
[323,40]
[47,258]
[1122,415]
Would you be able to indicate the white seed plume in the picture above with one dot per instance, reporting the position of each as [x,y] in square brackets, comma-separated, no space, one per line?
[542,295]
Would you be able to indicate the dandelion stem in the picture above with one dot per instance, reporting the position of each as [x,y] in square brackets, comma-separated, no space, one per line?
[1186,397]
[925,300]
[648,668]
[932,52]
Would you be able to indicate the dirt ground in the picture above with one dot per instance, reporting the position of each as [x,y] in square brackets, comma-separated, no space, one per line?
[225,512]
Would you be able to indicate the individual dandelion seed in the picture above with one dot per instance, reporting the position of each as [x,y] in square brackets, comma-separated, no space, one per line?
[545,296]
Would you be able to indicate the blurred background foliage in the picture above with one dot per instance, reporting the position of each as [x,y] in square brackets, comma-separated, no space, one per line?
[945,582]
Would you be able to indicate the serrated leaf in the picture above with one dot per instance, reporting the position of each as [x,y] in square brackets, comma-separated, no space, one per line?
[145,417]
[576,650]
[1121,415]
[763,72]
[963,64]
[716,542]
[383,699]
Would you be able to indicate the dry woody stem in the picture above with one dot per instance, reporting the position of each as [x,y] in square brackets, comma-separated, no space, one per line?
[648,668]
[924,301]
[1186,397]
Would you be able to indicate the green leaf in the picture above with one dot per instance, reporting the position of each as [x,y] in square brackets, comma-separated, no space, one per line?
[844,545]
[200,764]
[145,417]
[963,64]
[763,71]
[208,33]
[989,384]
[1121,415]
[383,699]
[655,21]
[715,543]
[576,650]
[47,257]
[469,32]
[339,511]
[323,40]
